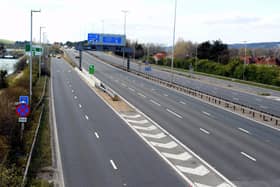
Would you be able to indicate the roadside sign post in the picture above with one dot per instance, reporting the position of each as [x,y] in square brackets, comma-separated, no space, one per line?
[91,69]
[22,111]
[80,62]
[37,50]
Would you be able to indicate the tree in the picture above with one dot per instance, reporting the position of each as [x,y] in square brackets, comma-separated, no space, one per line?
[183,49]
[3,83]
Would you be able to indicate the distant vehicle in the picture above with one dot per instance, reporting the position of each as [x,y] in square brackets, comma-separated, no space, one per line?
[77,56]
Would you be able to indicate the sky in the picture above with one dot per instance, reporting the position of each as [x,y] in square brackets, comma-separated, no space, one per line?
[148,21]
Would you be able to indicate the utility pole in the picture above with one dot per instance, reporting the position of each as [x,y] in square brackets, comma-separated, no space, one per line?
[40,57]
[124,28]
[173,46]
[31,54]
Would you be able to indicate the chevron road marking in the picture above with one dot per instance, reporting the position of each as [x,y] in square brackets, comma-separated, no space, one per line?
[131,117]
[200,170]
[156,136]
[150,128]
[182,156]
[168,145]
[137,122]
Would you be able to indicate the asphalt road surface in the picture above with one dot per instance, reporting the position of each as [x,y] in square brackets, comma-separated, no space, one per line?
[245,152]
[258,102]
[97,147]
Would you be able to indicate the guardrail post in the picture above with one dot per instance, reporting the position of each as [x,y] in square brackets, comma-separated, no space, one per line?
[276,122]
[253,114]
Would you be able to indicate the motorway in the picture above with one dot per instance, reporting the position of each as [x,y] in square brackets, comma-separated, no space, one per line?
[245,152]
[97,147]
[258,102]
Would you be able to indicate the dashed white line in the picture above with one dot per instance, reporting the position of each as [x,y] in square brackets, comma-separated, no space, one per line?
[206,113]
[72,91]
[96,134]
[80,106]
[248,156]
[142,95]
[86,117]
[131,89]
[75,97]
[154,102]
[182,102]
[113,165]
[243,130]
[205,131]
[174,113]
[165,95]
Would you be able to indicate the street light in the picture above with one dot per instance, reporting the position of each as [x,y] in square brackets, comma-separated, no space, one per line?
[30,60]
[244,59]
[124,28]
[40,57]
[102,26]
[174,30]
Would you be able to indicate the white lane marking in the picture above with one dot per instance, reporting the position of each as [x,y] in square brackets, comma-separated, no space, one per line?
[96,134]
[165,95]
[131,89]
[141,95]
[174,113]
[182,102]
[150,128]
[248,156]
[154,102]
[264,107]
[258,99]
[113,165]
[144,121]
[116,80]
[220,185]
[243,130]
[155,136]
[80,106]
[236,99]
[152,89]
[69,71]
[70,85]
[200,170]
[72,91]
[182,156]
[123,84]
[169,145]
[131,117]
[86,117]
[205,131]
[206,113]
[75,97]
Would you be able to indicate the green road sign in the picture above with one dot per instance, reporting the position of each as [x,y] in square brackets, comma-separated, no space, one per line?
[36,50]
[91,69]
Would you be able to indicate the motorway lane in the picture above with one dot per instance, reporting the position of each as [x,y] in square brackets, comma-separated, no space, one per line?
[223,149]
[98,150]
[258,102]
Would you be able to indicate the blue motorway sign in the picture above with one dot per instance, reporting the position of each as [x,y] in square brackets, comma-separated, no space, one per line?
[106,39]
[23,99]
[148,68]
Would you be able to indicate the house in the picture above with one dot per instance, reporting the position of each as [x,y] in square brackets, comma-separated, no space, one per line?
[159,56]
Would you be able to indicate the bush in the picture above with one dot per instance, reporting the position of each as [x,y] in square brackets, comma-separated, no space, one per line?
[3,82]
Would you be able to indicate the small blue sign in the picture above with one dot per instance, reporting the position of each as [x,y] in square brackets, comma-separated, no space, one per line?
[112,40]
[148,68]
[24,99]
[23,110]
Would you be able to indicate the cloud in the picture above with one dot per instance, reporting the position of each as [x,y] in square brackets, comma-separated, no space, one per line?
[237,20]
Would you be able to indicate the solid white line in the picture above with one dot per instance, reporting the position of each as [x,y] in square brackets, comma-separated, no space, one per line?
[131,117]
[131,89]
[141,95]
[183,103]
[248,156]
[183,156]
[86,117]
[80,106]
[154,102]
[156,136]
[206,113]
[169,145]
[144,121]
[243,130]
[150,128]
[96,134]
[113,164]
[174,113]
[205,131]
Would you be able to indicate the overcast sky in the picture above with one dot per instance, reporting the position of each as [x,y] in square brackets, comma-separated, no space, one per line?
[232,21]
